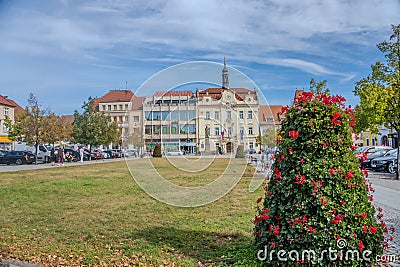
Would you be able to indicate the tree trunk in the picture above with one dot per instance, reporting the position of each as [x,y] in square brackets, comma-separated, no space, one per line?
[398,154]
[36,152]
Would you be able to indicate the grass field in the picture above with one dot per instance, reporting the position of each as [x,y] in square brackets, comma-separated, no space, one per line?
[96,215]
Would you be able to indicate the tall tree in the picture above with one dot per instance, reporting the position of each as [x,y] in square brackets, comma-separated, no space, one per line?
[30,125]
[92,127]
[380,92]
[269,138]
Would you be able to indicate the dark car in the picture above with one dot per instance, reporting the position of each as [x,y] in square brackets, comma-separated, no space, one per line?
[380,153]
[365,151]
[386,163]
[73,155]
[18,157]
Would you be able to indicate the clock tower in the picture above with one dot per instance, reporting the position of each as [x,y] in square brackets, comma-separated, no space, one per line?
[225,76]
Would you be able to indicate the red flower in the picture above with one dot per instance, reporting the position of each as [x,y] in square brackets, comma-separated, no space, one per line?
[332,171]
[290,151]
[277,173]
[353,147]
[285,109]
[365,229]
[293,134]
[276,230]
[371,198]
[363,215]
[278,218]
[349,175]
[335,221]
[310,122]
[372,229]
[361,245]
[391,238]
[300,179]
[352,124]
[342,202]
[273,245]
[258,200]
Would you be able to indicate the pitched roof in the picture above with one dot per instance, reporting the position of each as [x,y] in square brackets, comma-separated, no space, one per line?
[216,93]
[173,93]
[6,102]
[17,109]
[272,113]
[297,94]
[115,96]
[137,102]
[67,118]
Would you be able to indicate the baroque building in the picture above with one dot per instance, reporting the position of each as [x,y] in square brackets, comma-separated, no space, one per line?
[227,117]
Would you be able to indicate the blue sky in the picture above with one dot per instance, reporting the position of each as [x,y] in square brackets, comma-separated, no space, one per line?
[65,51]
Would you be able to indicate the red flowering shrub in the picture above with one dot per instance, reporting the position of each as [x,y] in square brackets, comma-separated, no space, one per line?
[317,195]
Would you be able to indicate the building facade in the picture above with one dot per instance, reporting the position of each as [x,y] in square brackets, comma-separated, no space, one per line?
[8,108]
[169,118]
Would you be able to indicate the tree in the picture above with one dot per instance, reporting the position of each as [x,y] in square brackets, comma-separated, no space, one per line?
[157,151]
[379,93]
[319,87]
[269,137]
[58,129]
[94,128]
[317,194]
[31,125]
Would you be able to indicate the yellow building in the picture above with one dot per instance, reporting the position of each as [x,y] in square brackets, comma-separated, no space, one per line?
[8,108]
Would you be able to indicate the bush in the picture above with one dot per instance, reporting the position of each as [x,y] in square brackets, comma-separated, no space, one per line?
[157,151]
[317,198]
[239,152]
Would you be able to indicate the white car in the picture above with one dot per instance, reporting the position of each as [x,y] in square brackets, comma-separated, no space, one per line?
[174,153]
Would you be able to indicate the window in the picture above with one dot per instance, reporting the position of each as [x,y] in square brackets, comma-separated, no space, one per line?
[229,131]
[241,133]
[109,107]
[5,111]
[115,107]
[126,106]
[216,131]
[120,107]
[207,115]
[367,141]
[251,145]
[241,116]
[5,129]
[216,115]
[135,118]
[270,119]
[120,118]
[250,130]
[104,107]
[228,115]
[250,114]
[165,129]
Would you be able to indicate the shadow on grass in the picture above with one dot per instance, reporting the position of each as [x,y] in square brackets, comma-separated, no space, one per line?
[203,246]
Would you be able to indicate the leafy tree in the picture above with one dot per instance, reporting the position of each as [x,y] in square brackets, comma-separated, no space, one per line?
[31,125]
[92,127]
[380,92]
[58,129]
[157,151]
[269,137]
[317,194]
[319,87]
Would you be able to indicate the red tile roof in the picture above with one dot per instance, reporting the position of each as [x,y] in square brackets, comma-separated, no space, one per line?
[173,93]
[17,109]
[270,112]
[297,94]
[216,93]
[67,118]
[115,96]
[137,102]
[6,102]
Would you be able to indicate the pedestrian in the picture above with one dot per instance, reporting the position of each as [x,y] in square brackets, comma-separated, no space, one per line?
[52,156]
[61,155]
[81,154]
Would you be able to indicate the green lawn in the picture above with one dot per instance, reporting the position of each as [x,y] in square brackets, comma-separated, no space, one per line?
[97,215]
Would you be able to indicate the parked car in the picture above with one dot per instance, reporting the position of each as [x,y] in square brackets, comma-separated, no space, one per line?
[18,157]
[380,153]
[365,151]
[74,156]
[174,153]
[43,151]
[250,151]
[386,163]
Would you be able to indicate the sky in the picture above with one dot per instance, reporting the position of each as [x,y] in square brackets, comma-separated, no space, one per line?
[64,51]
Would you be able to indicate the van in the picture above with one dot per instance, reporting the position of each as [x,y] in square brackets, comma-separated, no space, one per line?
[43,151]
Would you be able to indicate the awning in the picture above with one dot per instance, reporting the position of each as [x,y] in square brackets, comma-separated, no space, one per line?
[4,139]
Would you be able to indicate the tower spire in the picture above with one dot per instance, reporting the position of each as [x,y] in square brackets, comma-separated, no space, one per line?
[225,76]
